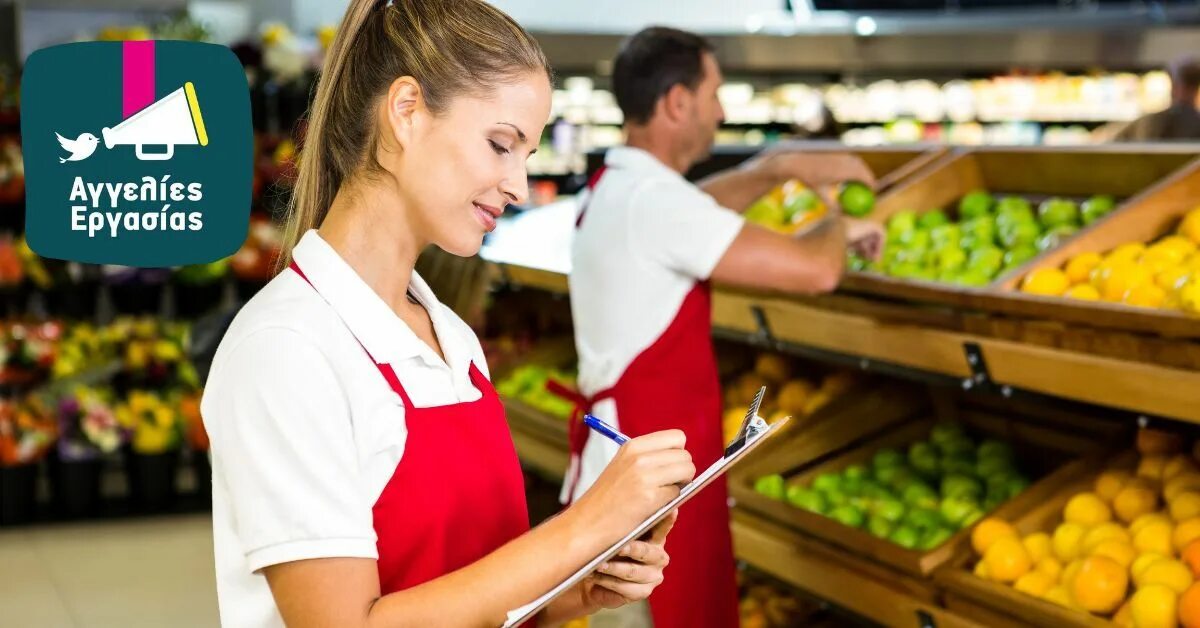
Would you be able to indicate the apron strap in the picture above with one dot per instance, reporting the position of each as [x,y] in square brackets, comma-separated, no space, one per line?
[591,188]
[577,432]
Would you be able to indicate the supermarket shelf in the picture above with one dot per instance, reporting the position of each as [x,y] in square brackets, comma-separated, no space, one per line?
[540,439]
[855,585]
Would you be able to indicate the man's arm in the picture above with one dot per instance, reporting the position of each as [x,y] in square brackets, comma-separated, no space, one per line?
[737,188]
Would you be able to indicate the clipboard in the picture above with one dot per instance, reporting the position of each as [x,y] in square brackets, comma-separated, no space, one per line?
[754,431]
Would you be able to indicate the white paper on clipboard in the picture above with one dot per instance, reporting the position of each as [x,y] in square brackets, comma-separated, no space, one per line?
[524,613]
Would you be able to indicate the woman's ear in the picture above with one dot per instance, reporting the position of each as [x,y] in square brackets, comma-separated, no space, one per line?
[403,104]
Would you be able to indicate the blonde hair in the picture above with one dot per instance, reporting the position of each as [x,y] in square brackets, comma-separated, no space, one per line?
[451,48]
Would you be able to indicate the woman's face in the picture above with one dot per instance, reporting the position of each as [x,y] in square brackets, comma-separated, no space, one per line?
[460,169]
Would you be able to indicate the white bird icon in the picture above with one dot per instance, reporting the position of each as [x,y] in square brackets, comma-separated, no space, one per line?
[80,149]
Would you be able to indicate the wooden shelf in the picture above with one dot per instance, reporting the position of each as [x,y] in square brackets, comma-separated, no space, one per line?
[869,590]
[540,439]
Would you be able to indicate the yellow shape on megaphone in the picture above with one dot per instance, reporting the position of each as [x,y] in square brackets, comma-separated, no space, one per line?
[194,105]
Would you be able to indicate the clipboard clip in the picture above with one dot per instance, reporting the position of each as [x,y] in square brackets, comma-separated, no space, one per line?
[752,425]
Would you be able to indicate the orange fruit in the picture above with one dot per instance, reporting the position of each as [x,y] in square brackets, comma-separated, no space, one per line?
[1128,252]
[1151,441]
[1185,246]
[1154,606]
[1122,553]
[981,571]
[1049,566]
[1109,531]
[1038,545]
[773,367]
[1034,583]
[1177,465]
[1170,573]
[1186,481]
[1123,618]
[1187,531]
[1185,505]
[1100,585]
[794,396]
[988,531]
[1151,466]
[1109,483]
[1189,607]
[1142,563]
[1083,292]
[1173,279]
[1122,279]
[1080,267]
[1087,509]
[1068,541]
[1134,501]
[1145,295]
[1069,572]
[1058,595]
[1155,537]
[1046,281]
[1145,520]
[1007,559]
[1191,557]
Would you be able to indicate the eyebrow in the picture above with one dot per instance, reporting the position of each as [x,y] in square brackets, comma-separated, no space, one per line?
[520,134]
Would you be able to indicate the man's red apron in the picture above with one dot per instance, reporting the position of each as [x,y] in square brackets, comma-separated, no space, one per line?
[674,384]
[457,493]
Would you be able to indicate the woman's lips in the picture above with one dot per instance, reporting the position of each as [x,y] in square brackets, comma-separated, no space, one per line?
[487,215]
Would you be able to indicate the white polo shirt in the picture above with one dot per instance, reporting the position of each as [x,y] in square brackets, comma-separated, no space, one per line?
[647,236]
[305,430]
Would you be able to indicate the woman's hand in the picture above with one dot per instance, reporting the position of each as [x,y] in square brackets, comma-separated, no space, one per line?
[645,474]
[633,575]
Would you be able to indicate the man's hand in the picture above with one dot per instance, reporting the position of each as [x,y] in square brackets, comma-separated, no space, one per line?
[864,237]
[818,170]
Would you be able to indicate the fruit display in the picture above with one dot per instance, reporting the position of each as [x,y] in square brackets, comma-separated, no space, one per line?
[788,208]
[527,383]
[788,394]
[982,238]
[255,261]
[916,498]
[764,604]
[1126,546]
[1162,274]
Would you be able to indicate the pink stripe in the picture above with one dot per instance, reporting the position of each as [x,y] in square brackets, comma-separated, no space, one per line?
[137,76]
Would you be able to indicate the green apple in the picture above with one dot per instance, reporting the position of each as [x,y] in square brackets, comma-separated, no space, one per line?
[932,218]
[975,277]
[848,515]
[766,211]
[945,235]
[915,239]
[770,486]
[986,260]
[900,223]
[799,204]
[891,510]
[978,233]
[991,447]
[1097,207]
[958,464]
[958,446]
[807,499]
[960,486]
[855,262]
[855,472]
[923,517]
[887,457]
[951,258]
[971,518]
[1055,237]
[901,477]
[920,495]
[856,198]
[905,536]
[852,487]
[879,527]
[1056,212]
[975,204]
[946,431]
[934,537]
[1019,255]
[956,509]
[827,482]
[992,466]
[836,497]
[1014,206]
[1019,233]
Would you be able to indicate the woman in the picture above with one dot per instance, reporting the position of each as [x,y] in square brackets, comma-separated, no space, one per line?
[363,474]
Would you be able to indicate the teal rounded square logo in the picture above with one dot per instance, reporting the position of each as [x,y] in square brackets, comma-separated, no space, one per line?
[136,153]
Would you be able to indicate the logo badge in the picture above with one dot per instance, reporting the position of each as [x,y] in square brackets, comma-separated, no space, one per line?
[136,153]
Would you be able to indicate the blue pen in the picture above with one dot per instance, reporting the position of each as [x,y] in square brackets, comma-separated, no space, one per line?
[606,429]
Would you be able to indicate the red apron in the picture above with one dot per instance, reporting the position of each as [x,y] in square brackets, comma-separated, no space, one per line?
[674,384]
[457,493]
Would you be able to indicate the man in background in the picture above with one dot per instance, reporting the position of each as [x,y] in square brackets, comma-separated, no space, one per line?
[1180,121]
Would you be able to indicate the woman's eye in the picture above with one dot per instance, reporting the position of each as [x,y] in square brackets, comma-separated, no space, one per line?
[500,150]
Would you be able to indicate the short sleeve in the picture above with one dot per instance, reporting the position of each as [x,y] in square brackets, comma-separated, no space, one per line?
[680,227]
[283,446]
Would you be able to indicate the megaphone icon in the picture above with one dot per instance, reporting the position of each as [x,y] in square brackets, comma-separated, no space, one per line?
[173,120]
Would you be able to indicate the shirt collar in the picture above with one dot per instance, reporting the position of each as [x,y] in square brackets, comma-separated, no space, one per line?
[382,333]
[636,159]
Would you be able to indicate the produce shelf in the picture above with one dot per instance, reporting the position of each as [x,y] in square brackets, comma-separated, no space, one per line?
[540,439]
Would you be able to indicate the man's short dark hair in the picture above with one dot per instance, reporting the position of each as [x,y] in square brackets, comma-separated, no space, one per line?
[1185,73]
[653,61]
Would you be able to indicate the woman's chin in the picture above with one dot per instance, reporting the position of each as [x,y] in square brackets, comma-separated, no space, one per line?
[463,246]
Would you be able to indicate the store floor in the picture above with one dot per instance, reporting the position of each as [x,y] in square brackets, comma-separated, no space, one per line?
[129,573]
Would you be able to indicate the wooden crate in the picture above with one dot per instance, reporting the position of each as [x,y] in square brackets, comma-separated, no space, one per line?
[1037,440]
[1031,172]
[1000,603]
[540,439]
[891,165]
